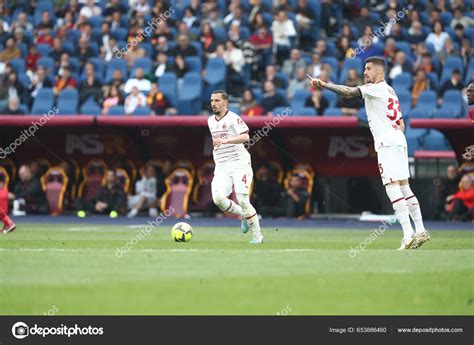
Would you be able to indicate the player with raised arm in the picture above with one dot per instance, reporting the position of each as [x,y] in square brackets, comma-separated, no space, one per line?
[233,165]
[387,127]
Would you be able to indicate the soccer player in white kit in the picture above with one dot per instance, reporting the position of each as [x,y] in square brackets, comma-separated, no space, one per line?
[387,127]
[233,165]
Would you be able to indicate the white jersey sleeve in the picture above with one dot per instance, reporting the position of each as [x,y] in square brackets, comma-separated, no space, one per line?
[239,125]
[384,114]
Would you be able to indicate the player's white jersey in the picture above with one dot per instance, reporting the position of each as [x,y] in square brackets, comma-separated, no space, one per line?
[384,114]
[229,125]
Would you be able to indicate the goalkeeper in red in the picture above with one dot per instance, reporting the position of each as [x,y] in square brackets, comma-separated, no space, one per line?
[233,165]
[387,127]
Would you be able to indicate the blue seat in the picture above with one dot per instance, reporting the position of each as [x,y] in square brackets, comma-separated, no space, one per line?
[305,111]
[244,33]
[91,108]
[117,110]
[453,102]
[280,110]
[435,140]
[99,67]
[113,65]
[95,21]
[258,93]
[427,102]
[403,81]
[120,34]
[405,99]
[446,18]
[451,63]
[332,112]
[355,63]
[220,34]
[189,99]
[404,47]
[216,71]
[198,47]
[299,98]
[142,111]
[414,138]
[144,63]
[193,63]
[43,49]
[47,62]
[283,77]
[419,113]
[40,8]
[73,36]
[43,102]
[331,97]
[331,61]
[235,110]
[469,72]
[67,102]
[362,114]
[167,84]
[19,65]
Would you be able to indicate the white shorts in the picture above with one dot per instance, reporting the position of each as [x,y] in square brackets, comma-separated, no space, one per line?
[238,176]
[393,163]
[133,201]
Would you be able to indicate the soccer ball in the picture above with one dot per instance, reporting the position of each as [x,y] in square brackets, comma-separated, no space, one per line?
[182,232]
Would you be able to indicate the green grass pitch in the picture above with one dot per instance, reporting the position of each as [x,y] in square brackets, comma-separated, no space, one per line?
[74,270]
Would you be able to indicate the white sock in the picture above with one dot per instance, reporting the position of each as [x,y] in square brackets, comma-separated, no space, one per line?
[400,207]
[234,209]
[413,208]
[250,215]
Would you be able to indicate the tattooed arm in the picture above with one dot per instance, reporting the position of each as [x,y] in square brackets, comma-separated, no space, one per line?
[345,91]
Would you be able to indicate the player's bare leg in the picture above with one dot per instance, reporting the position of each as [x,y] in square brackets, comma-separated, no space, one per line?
[251,216]
[422,235]
[400,206]
[8,224]
[228,206]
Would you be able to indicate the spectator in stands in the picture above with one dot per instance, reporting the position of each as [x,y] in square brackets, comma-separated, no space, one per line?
[46,22]
[317,101]
[214,20]
[257,8]
[291,65]
[397,33]
[438,37]
[20,37]
[142,7]
[368,40]
[454,83]
[467,52]
[316,66]
[189,18]
[180,68]
[350,106]
[234,59]
[139,82]
[390,50]
[304,17]
[28,196]
[111,199]
[344,49]
[45,37]
[158,102]
[449,186]
[145,194]
[400,65]
[22,22]
[266,191]
[271,99]
[271,75]
[184,30]
[39,80]
[283,31]
[117,81]
[281,5]
[109,51]
[65,81]
[447,51]
[57,51]
[90,9]
[105,37]
[112,98]
[64,62]
[257,22]
[4,35]
[460,206]
[208,39]
[12,88]
[459,34]
[420,84]
[116,20]
[184,48]
[134,100]
[32,59]
[112,7]
[249,105]
[363,20]
[292,201]
[10,52]
[300,82]
[84,53]
[460,18]
[162,45]
[235,16]
[13,107]
[262,42]
[161,64]
[321,48]
[90,86]
[416,34]
[427,64]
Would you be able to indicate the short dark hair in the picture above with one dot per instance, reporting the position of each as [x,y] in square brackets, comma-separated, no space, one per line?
[376,60]
[223,94]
